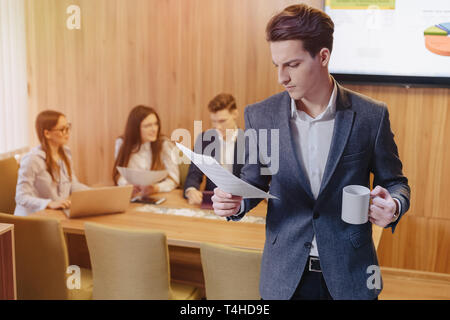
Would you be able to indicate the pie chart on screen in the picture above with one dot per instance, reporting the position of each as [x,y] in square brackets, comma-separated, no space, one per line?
[437,39]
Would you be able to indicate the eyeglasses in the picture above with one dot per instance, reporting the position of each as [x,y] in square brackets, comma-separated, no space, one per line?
[64,130]
[150,125]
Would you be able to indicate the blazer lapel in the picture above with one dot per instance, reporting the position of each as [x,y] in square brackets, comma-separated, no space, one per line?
[342,128]
[287,151]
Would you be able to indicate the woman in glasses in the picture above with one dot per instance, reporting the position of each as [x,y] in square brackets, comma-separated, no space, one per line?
[143,147]
[46,177]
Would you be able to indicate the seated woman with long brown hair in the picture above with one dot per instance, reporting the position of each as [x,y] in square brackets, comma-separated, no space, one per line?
[143,147]
[46,177]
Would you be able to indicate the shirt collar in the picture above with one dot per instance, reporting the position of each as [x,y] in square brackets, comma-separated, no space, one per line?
[39,151]
[329,111]
[146,146]
[233,137]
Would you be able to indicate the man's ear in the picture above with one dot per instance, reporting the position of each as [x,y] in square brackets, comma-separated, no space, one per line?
[324,56]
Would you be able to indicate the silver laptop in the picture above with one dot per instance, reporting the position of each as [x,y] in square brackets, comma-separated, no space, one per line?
[99,201]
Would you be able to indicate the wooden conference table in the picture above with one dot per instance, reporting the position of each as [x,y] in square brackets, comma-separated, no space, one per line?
[184,234]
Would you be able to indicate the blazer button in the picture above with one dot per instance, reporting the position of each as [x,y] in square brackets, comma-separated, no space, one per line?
[316,215]
[308,245]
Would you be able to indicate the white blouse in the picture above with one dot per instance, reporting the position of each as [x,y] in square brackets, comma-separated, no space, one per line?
[143,160]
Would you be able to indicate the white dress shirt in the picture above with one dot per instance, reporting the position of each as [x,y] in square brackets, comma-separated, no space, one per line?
[312,140]
[227,149]
[143,160]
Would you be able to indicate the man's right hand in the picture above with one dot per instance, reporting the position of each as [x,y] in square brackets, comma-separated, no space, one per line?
[225,204]
[194,196]
[56,205]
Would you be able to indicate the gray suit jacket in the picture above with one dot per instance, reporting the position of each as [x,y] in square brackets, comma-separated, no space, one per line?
[362,143]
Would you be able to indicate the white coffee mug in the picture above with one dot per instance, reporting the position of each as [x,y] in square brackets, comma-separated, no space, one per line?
[355,204]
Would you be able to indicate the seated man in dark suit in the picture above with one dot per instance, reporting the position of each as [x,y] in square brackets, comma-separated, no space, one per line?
[219,142]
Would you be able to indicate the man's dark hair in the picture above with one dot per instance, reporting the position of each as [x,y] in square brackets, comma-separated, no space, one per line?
[302,22]
[221,102]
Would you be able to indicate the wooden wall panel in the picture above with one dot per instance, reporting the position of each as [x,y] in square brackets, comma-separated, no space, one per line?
[176,55]
[419,244]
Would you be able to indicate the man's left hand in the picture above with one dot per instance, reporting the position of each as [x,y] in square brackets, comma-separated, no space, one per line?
[383,207]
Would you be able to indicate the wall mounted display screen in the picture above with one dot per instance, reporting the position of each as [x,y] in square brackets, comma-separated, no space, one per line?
[392,41]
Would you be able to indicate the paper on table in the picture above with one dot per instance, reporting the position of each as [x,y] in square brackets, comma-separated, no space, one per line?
[142,177]
[222,178]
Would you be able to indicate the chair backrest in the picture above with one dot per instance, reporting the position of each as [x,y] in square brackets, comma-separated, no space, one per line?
[128,264]
[8,173]
[41,257]
[230,273]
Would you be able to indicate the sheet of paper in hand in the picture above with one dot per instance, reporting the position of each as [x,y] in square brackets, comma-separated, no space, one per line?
[222,178]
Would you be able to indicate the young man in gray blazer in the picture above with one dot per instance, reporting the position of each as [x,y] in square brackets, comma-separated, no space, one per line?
[329,137]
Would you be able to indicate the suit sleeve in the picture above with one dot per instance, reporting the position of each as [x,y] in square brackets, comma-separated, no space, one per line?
[387,167]
[251,172]
[195,175]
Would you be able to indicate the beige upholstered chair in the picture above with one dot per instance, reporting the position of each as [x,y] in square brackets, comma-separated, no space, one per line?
[42,260]
[132,264]
[8,173]
[230,273]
